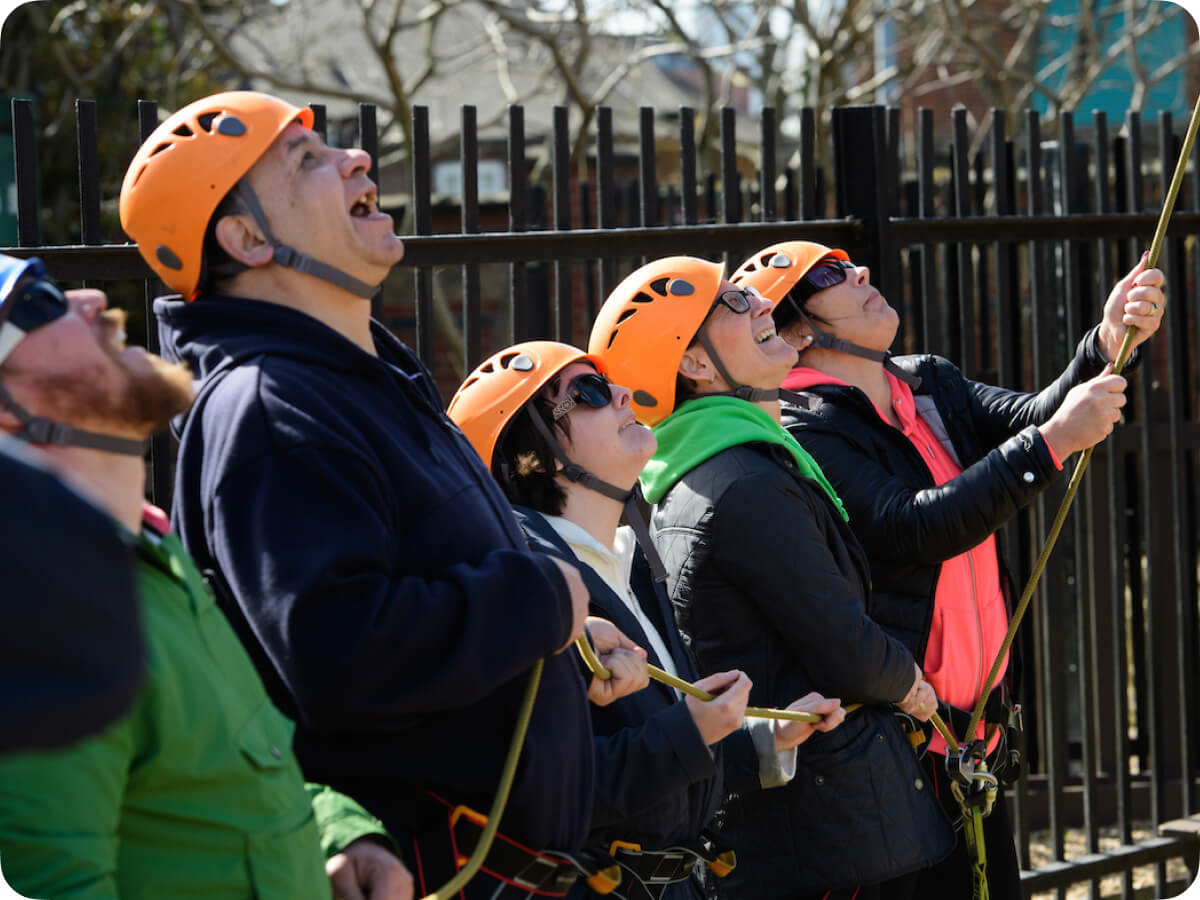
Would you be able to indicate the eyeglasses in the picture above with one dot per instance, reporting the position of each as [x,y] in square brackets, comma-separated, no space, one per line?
[33,304]
[735,301]
[591,389]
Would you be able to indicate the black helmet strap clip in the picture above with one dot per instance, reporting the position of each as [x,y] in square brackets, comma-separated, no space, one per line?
[294,259]
[629,499]
[743,391]
[38,430]
[827,341]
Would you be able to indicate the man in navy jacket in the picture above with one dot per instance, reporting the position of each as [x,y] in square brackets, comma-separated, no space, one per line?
[370,562]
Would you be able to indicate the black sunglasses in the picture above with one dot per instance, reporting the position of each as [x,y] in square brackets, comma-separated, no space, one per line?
[35,303]
[591,389]
[825,274]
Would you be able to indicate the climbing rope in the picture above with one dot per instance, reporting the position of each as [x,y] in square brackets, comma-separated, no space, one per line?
[467,872]
[1160,233]
[972,785]
[758,712]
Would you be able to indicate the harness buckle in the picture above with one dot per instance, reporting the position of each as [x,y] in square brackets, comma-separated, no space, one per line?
[725,863]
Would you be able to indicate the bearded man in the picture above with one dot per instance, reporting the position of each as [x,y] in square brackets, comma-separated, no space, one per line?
[195,791]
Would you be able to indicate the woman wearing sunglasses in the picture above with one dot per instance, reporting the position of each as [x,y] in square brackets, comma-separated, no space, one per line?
[929,465]
[565,446]
[766,577]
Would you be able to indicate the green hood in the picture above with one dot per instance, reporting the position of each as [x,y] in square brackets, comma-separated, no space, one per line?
[702,428]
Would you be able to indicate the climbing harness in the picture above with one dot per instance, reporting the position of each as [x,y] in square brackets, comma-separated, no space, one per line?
[669,865]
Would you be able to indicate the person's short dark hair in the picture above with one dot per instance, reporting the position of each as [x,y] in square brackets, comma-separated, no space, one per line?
[685,388]
[523,461]
[217,265]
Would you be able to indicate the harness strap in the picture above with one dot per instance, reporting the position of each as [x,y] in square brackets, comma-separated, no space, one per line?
[653,867]
[508,860]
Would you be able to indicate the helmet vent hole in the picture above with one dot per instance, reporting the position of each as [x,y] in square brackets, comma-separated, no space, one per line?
[165,145]
[625,315]
[681,288]
[642,297]
[612,337]
[641,398]
[183,131]
[167,257]
[659,286]
[488,368]
[231,126]
[507,358]
[205,121]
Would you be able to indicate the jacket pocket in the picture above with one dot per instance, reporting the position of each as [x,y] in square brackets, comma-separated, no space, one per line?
[283,851]
[289,864]
[266,738]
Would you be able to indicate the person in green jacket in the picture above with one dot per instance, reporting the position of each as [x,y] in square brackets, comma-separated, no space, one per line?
[195,792]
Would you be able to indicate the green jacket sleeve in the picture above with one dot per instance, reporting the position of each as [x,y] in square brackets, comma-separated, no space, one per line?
[59,814]
[341,821]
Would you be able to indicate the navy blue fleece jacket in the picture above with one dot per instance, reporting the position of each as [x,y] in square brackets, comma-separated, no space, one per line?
[376,571]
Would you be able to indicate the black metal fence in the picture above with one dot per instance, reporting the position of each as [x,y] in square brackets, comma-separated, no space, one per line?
[998,258]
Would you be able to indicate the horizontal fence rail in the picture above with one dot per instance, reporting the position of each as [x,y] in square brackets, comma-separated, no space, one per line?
[997,249]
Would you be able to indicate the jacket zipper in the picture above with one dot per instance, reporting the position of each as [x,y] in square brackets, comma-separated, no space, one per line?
[978,630]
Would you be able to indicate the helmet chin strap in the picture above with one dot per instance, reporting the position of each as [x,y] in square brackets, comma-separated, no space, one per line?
[827,341]
[633,515]
[745,392]
[294,259]
[38,430]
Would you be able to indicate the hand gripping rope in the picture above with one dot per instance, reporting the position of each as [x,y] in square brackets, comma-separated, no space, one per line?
[471,867]
[757,712]
[964,763]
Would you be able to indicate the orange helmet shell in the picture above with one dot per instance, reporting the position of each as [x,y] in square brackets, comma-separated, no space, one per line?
[774,270]
[502,384]
[185,168]
[646,325]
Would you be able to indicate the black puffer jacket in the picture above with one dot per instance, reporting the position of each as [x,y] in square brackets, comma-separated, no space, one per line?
[907,525]
[767,577]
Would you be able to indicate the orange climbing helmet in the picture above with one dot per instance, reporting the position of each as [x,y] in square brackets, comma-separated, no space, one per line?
[775,270]
[499,387]
[646,325]
[186,167]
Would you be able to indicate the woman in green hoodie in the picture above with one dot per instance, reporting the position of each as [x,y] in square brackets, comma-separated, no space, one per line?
[766,576]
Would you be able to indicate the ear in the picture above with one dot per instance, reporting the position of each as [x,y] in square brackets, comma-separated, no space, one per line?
[799,337]
[697,366]
[241,239]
